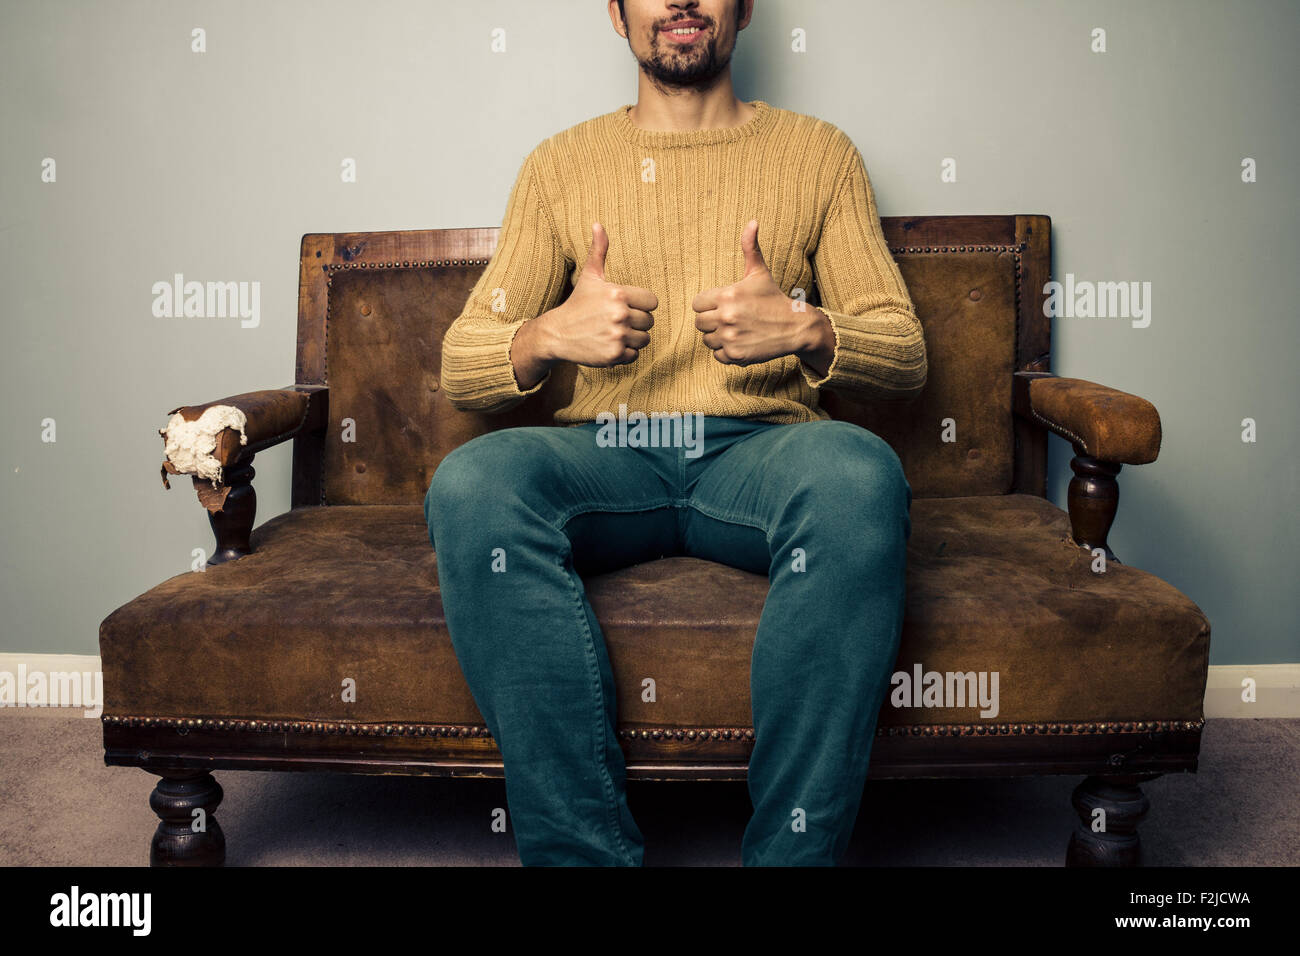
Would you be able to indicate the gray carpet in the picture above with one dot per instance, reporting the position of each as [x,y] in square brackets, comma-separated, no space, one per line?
[59,805]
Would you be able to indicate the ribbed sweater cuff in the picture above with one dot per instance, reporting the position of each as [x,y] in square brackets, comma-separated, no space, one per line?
[485,371]
[873,354]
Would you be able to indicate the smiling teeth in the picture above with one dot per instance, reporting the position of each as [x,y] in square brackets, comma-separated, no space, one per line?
[687,30]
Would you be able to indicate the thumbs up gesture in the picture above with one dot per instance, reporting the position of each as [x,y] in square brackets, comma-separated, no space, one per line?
[752,320]
[601,324]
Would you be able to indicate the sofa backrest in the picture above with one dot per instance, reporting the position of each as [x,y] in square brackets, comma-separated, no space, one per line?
[373,309]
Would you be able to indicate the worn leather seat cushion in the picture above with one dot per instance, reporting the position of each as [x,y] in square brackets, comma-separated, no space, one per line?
[340,592]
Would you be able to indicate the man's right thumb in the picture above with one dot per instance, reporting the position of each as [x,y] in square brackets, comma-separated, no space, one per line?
[599,246]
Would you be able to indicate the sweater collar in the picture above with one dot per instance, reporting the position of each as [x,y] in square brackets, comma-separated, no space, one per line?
[625,128]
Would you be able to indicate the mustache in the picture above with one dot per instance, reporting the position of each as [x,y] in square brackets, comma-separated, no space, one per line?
[706,20]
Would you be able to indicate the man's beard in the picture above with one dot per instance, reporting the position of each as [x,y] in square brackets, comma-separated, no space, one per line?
[668,68]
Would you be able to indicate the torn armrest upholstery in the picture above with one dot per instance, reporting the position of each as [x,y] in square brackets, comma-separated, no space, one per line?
[203,440]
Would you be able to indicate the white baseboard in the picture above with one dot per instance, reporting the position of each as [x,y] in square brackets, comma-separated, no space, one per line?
[1277,690]
[1277,686]
[80,691]
[10,661]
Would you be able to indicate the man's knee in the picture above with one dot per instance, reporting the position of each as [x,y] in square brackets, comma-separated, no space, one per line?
[851,464]
[850,496]
[447,487]
[477,480]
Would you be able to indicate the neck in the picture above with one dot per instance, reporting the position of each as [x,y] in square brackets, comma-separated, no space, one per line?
[667,108]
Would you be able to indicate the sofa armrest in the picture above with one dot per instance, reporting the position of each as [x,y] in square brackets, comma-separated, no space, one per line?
[1101,422]
[214,444]
[1108,429]
[203,440]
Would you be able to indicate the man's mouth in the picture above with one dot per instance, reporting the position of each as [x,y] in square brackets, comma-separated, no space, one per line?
[683,31]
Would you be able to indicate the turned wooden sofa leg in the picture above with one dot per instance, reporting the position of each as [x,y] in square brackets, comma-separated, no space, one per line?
[184,837]
[1093,499]
[233,524]
[1109,838]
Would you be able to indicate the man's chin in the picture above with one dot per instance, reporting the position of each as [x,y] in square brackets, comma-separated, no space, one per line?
[681,82]
[683,79]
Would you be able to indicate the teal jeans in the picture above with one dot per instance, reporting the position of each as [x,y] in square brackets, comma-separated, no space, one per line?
[518,516]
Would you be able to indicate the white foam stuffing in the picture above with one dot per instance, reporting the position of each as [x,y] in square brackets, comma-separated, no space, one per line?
[189,445]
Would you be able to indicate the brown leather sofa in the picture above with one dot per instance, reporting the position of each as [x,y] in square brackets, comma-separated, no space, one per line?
[245,665]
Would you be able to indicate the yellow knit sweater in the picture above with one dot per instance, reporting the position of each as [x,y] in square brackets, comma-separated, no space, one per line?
[674,204]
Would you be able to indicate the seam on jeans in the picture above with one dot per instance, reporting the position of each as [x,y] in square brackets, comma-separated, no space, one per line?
[572,512]
[732,517]
[593,665]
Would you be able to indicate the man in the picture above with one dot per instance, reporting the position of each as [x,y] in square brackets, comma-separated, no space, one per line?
[680,309]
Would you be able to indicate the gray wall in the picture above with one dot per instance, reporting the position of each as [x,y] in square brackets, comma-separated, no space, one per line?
[214,165]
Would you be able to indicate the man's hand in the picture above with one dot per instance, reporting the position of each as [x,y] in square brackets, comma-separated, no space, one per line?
[600,325]
[754,321]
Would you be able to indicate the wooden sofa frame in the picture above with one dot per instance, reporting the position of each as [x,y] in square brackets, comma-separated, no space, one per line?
[1115,759]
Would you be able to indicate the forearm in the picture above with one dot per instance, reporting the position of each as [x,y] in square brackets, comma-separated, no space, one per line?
[874,356]
[530,352]
[818,349]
